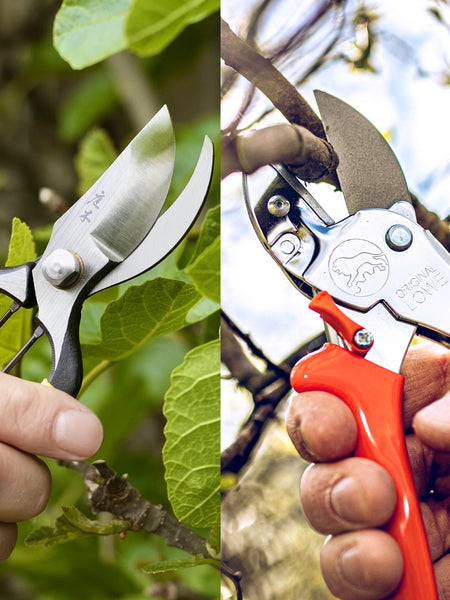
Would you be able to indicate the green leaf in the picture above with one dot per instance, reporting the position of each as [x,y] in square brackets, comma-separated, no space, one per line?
[87,31]
[205,271]
[72,525]
[157,307]
[21,245]
[18,329]
[210,230]
[170,566]
[90,101]
[95,155]
[192,449]
[152,24]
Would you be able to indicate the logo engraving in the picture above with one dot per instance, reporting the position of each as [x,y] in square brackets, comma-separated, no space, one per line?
[424,284]
[93,203]
[358,267]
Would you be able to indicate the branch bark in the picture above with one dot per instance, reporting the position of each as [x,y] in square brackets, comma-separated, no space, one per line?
[260,71]
[109,492]
[258,148]
[311,158]
[268,390]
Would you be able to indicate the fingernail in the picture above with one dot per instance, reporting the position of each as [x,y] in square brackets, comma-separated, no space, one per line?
[345,499]
[78,432]
[352,568]
[437,411]
[296,433]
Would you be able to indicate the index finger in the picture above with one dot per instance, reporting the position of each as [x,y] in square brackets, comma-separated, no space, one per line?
[322,427]
[45,421]
[427,378]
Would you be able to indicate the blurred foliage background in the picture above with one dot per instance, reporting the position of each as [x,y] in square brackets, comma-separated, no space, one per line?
[46,111]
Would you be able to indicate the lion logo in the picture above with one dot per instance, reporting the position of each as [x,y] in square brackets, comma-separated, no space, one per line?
[358,267]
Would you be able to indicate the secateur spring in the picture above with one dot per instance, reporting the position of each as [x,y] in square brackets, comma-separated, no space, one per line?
[36,335]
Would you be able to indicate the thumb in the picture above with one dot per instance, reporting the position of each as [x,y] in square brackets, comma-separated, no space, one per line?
[42,420]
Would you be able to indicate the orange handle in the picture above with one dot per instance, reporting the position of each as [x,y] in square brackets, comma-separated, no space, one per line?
[374,395]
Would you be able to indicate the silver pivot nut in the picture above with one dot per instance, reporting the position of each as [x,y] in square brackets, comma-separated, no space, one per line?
[63,268]
[399,237]
[278,206]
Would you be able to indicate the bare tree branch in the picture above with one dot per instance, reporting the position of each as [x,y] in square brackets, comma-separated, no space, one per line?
[261,72]
[249,153]
[312,158]
[268,390]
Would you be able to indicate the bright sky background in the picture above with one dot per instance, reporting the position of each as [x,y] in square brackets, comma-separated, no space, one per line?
[411,108]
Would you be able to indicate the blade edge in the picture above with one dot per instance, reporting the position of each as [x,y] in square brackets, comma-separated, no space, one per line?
[368,170]
[177,220]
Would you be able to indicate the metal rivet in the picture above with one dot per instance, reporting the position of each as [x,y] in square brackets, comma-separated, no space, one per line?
[399,237]
[278,206]
[287,247]
[63,268]
[363,338]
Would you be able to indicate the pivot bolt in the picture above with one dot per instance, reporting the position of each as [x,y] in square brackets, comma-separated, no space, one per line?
[399,237]
[278,206]
[363,338]
[63,268]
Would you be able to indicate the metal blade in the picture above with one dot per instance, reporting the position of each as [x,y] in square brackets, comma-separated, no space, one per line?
[170,228]
[368,170]
[118,211]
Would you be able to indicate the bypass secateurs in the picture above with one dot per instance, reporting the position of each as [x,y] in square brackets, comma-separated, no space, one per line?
[111,234]
[377,278]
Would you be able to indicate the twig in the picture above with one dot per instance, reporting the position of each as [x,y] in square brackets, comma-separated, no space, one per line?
[281,369]
[53,201]
[261,72]
[139,98]
[268,390]
[112,493]
[430,220]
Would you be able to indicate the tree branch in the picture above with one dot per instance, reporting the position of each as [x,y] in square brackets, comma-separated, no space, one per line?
[109,492]
[312,158]
[268,390]
[260,71]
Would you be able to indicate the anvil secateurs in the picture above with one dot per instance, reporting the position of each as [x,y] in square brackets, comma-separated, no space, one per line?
[113,233]
[377,278]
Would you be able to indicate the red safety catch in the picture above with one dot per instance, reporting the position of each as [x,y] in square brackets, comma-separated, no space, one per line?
[358,339]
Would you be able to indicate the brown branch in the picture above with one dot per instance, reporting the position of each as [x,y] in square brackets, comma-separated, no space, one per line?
[268,390]
[229,327]
[312,158]
[238,151]
[111,493]
[430,220]
[260,71]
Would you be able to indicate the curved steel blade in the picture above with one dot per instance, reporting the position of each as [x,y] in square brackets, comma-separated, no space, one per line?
[369,172]
[101,229]
[170,228]
[118,211]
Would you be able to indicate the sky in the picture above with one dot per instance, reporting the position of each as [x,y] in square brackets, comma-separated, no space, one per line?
[406,101]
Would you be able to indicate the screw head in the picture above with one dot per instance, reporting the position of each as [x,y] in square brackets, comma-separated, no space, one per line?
[278,206]
[399,237]
[63,268]
[363,338]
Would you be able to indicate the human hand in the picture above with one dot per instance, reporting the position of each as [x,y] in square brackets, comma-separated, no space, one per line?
[352,498]
[36,419]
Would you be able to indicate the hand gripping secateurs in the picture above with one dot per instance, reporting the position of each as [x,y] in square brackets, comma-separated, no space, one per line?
[110,235]
[377,278]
